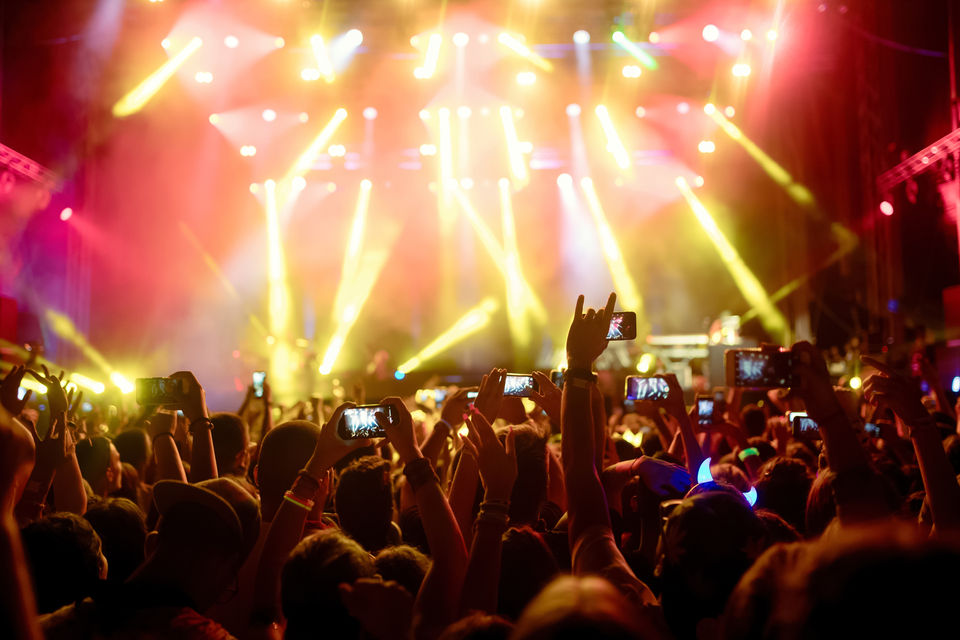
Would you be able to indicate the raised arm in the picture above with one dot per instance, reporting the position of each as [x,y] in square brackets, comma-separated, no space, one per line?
[463,487]
[437,602]
[161,427]
[203,462]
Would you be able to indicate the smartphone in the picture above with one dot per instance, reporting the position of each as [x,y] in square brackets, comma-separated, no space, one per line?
[258,378]
[706,410]
[623,326]
[556,377]
[155,391]
[803,425]
[756,369]
[519,385]
[872,430]
[361,422]
[644,388]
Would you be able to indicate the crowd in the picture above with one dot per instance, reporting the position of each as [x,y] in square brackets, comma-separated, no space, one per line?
[479,518]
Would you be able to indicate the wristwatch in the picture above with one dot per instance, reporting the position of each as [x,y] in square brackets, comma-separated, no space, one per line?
[579,377]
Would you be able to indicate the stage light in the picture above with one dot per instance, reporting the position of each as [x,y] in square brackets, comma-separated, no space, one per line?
[706,146]
[641,112]
[203,77]
[474,320]
[214,118]
[141,94]
[646,363]
[310,74]
[424,114]
[322,56]
[746,34]
[399,375]
[336,151]
[740,70]
[122,382]
[522,50]
[623,282]
[428,150]
[517,165]
[254,188]
[29,384]
[311,153]
[430,59]
[460,39]
[955,384]
[165,43]
[303,117]
[772,35]
[466,183]
[799,193]
[445,149]
[526,147]
[526,78]
[565,180]
[729,112]
[248,151]
[353,38]
[231,42]
[581,36]
[710,33]
[631,71]
[464,111]
[66,213]
[299,183]
[885,208]
[370,113]
[698,181]
[748,284]
[269,115]
[614,145]
[573,110]
[87,383]
[642,56]
[855,382]
[64,328]
[653,38]
[516,290]
[683,108]
[279,42]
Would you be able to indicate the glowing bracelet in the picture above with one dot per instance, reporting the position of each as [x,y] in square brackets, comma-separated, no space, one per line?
[746,453]
[292,498]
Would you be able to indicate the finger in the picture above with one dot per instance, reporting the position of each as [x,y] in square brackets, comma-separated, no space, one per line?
[510,446]
[579,311]
[26,396]
[590,315]
[471,448]
[608,310]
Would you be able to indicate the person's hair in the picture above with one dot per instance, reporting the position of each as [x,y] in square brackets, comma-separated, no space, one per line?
[121,527]
[309,585]
[580,607]
[364,502]
[63,552]
[133,445]
[478,626]
[530,488]
[404,565]
[284,451]
[230,438]
[93,456]
[821,504]
[763,447]
[754,421]
[783,485]
[707,544]
[777,529]
[732,475]
[526,566]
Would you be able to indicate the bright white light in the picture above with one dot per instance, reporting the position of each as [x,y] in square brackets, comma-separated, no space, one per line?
[203,77]
[303,117]
[269,115]
[526,78]
[424,114]
[710,33]
[565,180]
[772,35]
[254,188]
[461,39]
[654,37]
[337,151]
[353,38]
[466,183]
[641,112]
[631,71]
[741,70]
[299,183]
[248,150]
[573,110]
[214,118]
[279,42]
[698,181]
[886,208]
[231,42]
[66,213]
[709,108]
[370,113]
[310,74]
[428,149]
[683,108]
[581,36]
[464,111]
[729,112]
[706,146]
[165,43]
[955,385]
[526,147]
[746,34]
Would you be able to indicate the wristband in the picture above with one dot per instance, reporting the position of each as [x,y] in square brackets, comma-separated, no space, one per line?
[195,424]
[292,498]
[419,472]
[497,506]
[746,453]
[501,520]
[583,375]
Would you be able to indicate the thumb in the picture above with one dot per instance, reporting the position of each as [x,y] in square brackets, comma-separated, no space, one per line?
[511,444]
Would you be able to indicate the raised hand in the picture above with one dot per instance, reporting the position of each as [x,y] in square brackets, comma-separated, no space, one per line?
[54,447]
[490,395]
[587,337]
[194,403]
[497,462]
[548,397]
[330,447]
[56,394]
[812,381]
[10,391]
[663,478]
[896,392]
[455,406]
[400,431]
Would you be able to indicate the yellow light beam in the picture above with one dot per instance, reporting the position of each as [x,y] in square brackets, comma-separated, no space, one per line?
[122,382]
[277,292]
[748,284]
[431,58]
[517,165]
[614,144]
[141,94]
[221,276]
[88,383]
[323,58]
[514,44]
[446,168]
[64,328]
[516,293]
[312,152]
[351,257]
[475,319]
[622,280]
[498,255]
